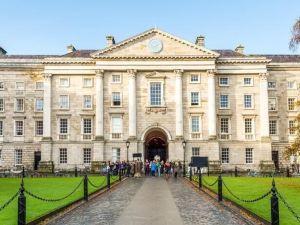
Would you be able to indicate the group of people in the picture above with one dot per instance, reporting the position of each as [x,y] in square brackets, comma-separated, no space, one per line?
[158,168]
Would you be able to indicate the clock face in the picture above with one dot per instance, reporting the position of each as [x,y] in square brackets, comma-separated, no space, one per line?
[155,45]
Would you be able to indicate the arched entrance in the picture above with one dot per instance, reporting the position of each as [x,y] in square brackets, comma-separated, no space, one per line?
[156,143]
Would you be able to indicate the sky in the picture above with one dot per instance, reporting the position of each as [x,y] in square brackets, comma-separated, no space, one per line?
[48,26]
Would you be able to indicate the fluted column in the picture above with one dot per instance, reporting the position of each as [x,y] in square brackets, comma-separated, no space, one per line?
[179,106]
[264,111]
[132,103]
[47,107]
[99,104]
[212,132]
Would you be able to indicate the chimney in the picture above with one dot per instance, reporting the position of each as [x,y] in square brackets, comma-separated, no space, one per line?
[2,51]
[200,41]
[71,49]
[240,49]
[110,40]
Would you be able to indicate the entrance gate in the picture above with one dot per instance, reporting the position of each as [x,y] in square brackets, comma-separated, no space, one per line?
[156,145]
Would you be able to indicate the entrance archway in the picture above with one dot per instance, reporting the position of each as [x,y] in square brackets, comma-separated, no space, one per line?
[156,144]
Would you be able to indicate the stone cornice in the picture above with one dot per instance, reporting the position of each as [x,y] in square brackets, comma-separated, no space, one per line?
[262,60]
[154,57]
[68,61]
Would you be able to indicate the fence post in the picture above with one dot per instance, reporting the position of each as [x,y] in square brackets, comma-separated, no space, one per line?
[85,188]
[120,175]
[108,179]
[235,171]
[22,206]
[274,206]
[200,179]
[220,196]
[191,173]
[76,171]
[23,172]
[208,170]
[287,171]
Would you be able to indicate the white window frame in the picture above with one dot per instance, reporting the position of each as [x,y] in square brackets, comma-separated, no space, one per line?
[86,135]
[191,99]
[252,101]
[84,102]
[198,81]
[67,83]
[2,105]
[293,87]
[37,128]
[114,134]
[269,105]
[270,87]
[15,128]
[2,85]
[62,135]
[196,134]
[251,135]
[195,151]
[247,157]
[116,82]
[60,102]
[162,102]
[87,85]
[228,102]
[63,155]
[288,106]
[116,154]
[16,104]
[112,99]
[18,156]
[276,127]
[1,128]
[225,155]
[224,135]
[35,105]
[251,81]
[37,87]
[222,84]
[87,155]
[292,132]
[19,88]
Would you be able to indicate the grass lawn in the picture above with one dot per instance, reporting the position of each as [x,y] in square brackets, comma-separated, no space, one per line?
[253,187]
[43,187]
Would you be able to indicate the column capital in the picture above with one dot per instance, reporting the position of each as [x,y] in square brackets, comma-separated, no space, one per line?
[132,73]
[263,76]
[211,72]
[47,76]
[99,73]
[178,73]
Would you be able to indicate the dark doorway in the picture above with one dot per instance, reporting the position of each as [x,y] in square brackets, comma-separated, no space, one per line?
[156,144]
[37,159]
[275,158]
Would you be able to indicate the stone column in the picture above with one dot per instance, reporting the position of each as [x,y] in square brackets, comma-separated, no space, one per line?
[212,132]
[264,111]
[99,104]
[179,106]
[131,104]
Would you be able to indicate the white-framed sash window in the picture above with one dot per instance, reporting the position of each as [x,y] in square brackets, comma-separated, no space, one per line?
[225,155]
[2,105]
[116,153]
[39,104]
[249,128]
[19,127]
[87,102]
[195,98]
[18,156]
[195,127]
[87,155]
[224,102]
[19,105]
[116,126]
[249,155]
[64,102]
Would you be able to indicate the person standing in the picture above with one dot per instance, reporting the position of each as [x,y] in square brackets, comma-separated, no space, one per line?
[158,165]
[167,170]
[153,168]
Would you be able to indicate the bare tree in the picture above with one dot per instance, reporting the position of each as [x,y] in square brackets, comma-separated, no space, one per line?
[295,40]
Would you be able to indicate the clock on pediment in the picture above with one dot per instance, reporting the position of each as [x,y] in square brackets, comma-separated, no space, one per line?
[155,45]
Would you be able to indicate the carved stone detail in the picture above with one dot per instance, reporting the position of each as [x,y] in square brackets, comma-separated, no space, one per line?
[132,73]
[154,75]
[263,76]
[149,110]
[99,73]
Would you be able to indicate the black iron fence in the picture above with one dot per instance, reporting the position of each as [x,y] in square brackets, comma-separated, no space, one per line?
[274,203]
[85,181]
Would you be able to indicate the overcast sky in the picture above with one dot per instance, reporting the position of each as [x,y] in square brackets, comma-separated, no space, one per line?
[48,26]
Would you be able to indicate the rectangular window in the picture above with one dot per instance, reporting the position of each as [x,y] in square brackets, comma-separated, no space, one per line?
[116,154]
[195,78]
[39,128]
[19,128]
[1,127]
[195,151]
[248,81]
[87,82]
[87,126]
[249,155]
[224,125]
[224,102]
[292,127]
[271,84]
[1,86]
[273,127]
[64,102]
[195,124]
[63,156]
[20,86]
[248,102]
[19,105]
[249,131]
[272,104]
[18,156]
[223,81]
[291,104]
[194,98]
[64,82]
[225,155]
[87,102]
[87,155]
[2,108]
[116,99]
[155,93]
[116,126]
[291,85]
[39,105]
[39,85]
[116,78]
[63,126]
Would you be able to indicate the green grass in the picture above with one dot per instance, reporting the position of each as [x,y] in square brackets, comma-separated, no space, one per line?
[43,187]
[253,187]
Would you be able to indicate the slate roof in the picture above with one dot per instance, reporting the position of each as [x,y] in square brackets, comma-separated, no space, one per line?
[282,58]
[26,56]
[228,53]
[79,54]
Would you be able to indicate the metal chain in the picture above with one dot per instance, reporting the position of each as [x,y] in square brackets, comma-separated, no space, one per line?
[208,183]
[287,205]
[96,186]
[245,200]
[53,200]
[9,201]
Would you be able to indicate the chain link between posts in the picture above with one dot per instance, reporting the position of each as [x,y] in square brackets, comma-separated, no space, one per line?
[288,206]
[97,186]
[9,201]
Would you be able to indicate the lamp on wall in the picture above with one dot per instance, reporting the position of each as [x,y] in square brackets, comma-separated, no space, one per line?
[127,147]
[184,145]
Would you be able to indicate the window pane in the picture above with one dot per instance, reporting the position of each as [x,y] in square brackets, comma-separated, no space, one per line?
[63,126]
[194,98]
[195,124]
[225,155]
[116,125]
[39,104]
[116,98]
[155,93]
[39,128]
[248,101]
[87,101]
[87,155]
[224,101]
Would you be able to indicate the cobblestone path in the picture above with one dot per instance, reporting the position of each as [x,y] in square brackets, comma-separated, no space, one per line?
[148,201]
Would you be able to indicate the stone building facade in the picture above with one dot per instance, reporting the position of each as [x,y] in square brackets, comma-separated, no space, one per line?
[153,90]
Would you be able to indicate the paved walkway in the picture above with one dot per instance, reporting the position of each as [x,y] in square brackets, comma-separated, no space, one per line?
[148,201]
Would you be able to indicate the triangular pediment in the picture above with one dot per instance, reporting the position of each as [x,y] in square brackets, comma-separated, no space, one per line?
[154,43]
[155,75]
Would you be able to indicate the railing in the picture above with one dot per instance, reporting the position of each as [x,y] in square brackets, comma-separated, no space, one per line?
[225,136]
[86,137]
[195,135]
[116,135]
[63,137]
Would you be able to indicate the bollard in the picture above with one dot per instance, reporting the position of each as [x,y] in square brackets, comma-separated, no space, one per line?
[22,206]
[23,172]
[208,171]
[108,179]
[274,206]
[220,196]
[200,179]
[85,188]
[235,171]
[191,173]
[287,171]
[120,175]
[76,171]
